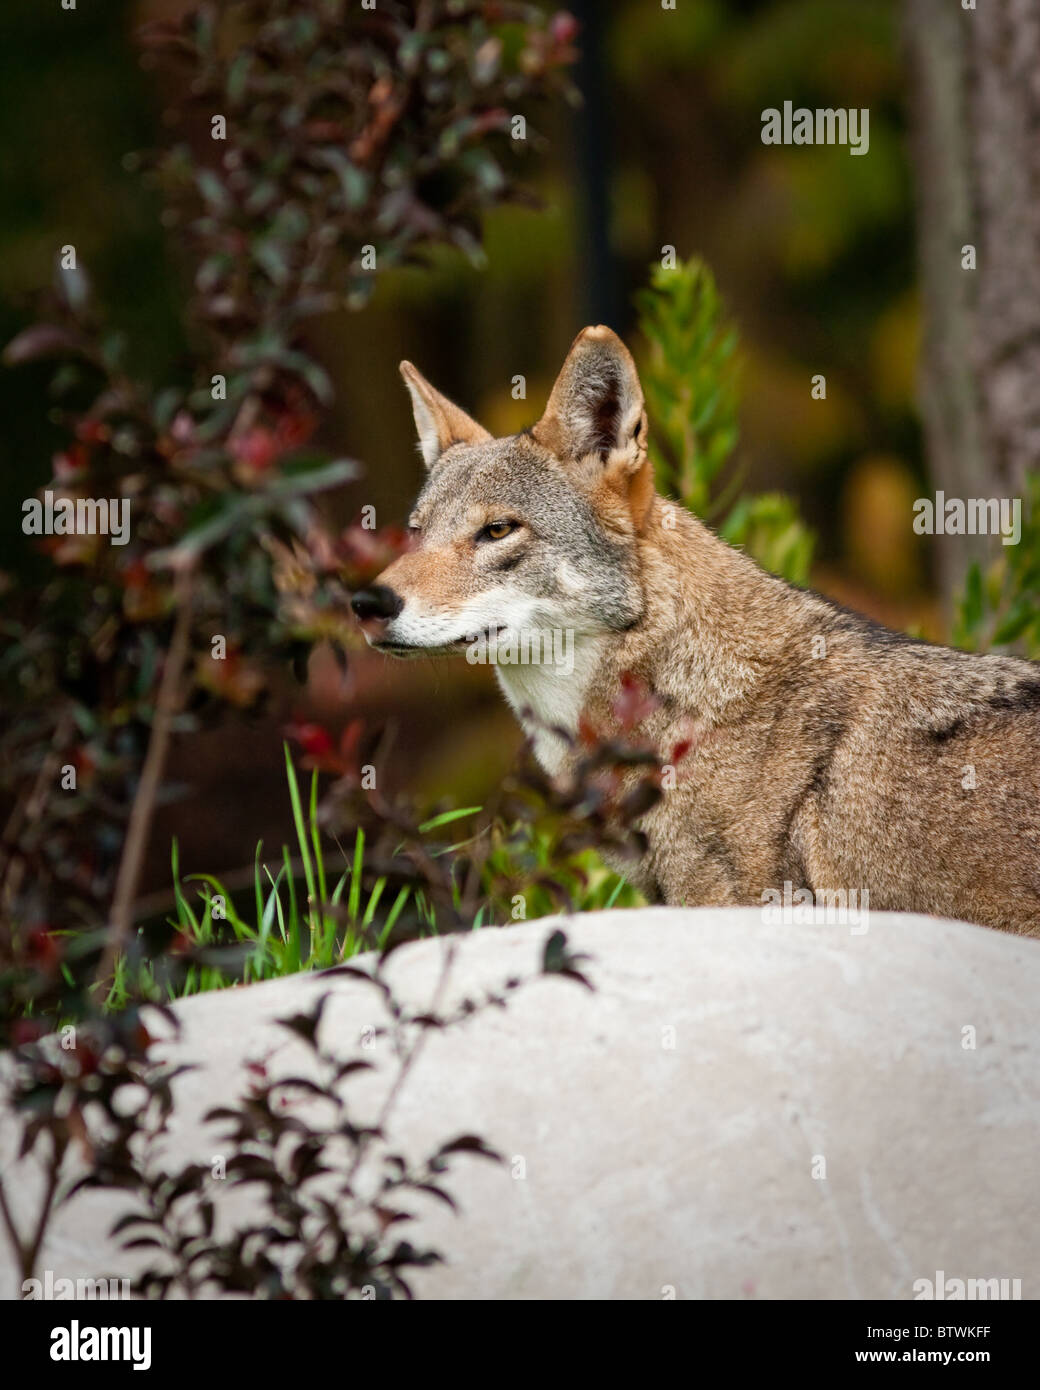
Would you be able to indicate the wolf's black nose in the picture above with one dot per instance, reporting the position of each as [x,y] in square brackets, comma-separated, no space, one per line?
[379,601]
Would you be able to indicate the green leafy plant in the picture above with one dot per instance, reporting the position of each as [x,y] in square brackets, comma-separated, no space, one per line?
[536,852]
[768,527]
[999,608]
[691,379]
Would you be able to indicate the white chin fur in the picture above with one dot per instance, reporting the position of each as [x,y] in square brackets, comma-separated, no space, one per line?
[501,608]
[553,694]
[554,698]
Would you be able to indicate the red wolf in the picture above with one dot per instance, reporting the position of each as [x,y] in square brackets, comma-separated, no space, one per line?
[830,751]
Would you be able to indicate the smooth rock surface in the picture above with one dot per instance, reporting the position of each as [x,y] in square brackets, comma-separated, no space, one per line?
[662,1133]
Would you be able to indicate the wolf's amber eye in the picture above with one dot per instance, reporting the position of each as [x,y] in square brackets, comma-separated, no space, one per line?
[497,530]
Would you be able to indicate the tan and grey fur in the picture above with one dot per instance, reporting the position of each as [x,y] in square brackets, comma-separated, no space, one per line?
[833,764]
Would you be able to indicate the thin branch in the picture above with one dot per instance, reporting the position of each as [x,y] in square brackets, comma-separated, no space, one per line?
[28,1251]
[407,1062]
[151,776]
[30,809]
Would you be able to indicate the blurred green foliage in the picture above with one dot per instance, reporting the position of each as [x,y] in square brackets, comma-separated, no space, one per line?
[691,391]
[813,249]
[689,380]
[767,526]
[999,608]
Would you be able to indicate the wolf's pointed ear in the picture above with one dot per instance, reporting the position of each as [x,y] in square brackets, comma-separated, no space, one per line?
[596,406]
[596,409]
[440,423]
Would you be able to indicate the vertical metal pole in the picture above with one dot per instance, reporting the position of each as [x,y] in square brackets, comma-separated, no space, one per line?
[597,272]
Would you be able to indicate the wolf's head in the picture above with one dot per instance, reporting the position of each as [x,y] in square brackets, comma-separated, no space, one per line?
[534,532]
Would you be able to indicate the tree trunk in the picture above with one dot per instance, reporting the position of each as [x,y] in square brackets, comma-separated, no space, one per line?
[975,118]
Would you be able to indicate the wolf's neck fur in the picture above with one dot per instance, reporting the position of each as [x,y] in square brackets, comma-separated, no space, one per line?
[707,639]
[704,644]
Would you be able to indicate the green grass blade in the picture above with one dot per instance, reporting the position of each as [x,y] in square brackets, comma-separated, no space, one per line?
[354,896]
[257,887]
[295,945]
[393,914]
[185,917]
[319,858]
[301,835]
[274,902]
[446,818]
[373,901]
[616,893]
[243,931]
